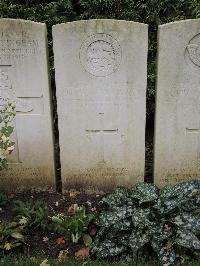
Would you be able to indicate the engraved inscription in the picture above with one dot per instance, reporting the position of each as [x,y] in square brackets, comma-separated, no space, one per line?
[28,172]
[100,54]
[177,176]
[193,49]
[17,45]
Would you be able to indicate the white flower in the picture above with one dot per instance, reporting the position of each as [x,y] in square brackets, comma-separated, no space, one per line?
[4,138]
[23,220]
[2,151]
[6,152]
[45,263]
[11,148]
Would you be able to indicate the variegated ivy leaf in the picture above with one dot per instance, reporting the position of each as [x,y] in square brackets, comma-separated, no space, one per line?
[187,239]
[144,192]
[161,232]
[109,249]
[170,205]
[117,198]
[123,240]
[137,240]
[156,243]
[108,218]
[140,218]
[126,258]
[180,190]
[102,232]
[191,204]
[123,225]
[187,221]
[189,188]
[168,192]
[164,221]
[166,256]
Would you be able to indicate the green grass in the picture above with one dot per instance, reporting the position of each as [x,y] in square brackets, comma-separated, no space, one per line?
[70,262]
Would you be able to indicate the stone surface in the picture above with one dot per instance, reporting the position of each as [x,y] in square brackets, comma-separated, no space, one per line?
[177,135]
[101,90]
[24,80]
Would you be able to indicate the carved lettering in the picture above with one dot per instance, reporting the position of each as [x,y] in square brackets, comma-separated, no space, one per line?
[17,45]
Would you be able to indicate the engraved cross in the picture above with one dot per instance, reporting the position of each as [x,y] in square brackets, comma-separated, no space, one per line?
[102,132]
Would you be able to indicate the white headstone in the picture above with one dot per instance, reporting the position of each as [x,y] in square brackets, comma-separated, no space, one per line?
[177,136]
[24,80]
[101,90]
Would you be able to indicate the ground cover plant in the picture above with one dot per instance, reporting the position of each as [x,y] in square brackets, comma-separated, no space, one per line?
[130,224]
[32,214]
[10,236]
[3,199]
[143,221]
[73,227]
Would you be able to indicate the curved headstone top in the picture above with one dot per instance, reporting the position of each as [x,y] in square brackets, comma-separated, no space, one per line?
[22,21]
[179,22]
[24,79]
[101,89]
[104,21]
[177,125]
[100,53]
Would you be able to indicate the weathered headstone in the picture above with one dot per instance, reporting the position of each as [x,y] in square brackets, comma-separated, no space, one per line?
[177,136]
[101,87]
[24,80]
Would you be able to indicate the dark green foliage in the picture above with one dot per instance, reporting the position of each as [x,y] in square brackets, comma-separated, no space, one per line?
[166,222]
[74,227]
[10,236]
[32,214]
[152,12]
[3,199]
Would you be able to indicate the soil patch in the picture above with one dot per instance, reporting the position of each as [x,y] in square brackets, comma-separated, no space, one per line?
[38,244]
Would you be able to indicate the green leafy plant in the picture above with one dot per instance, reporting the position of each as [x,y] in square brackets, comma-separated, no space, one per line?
[166,222]
[3,199]
[7,114]
[74,227]
[33,215]
[10,236]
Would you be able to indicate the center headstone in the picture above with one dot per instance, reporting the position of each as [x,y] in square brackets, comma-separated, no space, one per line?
[101,90]
[24,80]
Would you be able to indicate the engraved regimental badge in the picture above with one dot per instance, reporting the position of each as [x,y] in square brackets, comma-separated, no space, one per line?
[100,54]
[194,50]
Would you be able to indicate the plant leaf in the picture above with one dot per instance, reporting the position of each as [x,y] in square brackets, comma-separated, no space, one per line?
[87,240]
[138,239]
[187,239]
[17,235]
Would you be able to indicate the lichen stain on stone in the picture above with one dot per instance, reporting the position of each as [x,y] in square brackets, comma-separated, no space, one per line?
[98,181]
